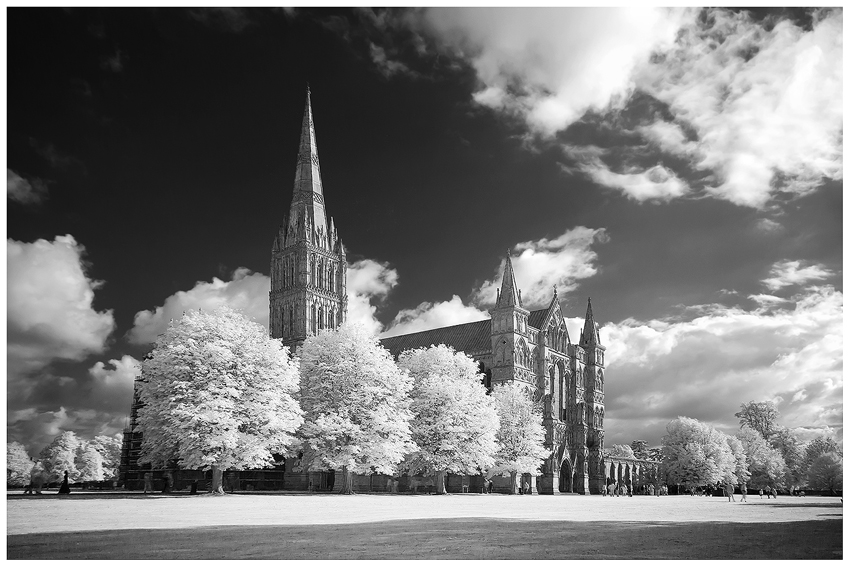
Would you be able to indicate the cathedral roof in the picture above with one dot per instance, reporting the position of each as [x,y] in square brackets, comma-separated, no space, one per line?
[470,338]
[536,318]
[590,333]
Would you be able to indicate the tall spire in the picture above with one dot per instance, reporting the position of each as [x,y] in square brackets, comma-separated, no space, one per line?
[307,174]
[307,219]
[590,334]
[509,295]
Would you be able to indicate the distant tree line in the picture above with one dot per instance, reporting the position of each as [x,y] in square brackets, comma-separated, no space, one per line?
[85,460]
[762,454]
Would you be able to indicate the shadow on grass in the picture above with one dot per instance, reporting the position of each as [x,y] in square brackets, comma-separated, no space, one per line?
[449,539]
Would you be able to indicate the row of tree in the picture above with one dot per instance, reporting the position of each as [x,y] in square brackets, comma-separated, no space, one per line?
[219,394]
[761,454]
[85,460]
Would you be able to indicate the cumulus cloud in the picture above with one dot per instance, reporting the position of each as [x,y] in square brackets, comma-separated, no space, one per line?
[36,429]
[550,66]
[743,89]
[750,108]
[24,192]
[545,264]
[428,315]
[49,311]
[784,274]
[707,366]
[246,291]
[112,388]
[368,283]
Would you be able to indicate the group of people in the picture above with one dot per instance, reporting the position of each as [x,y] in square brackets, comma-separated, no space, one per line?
[625,489]
[37,482]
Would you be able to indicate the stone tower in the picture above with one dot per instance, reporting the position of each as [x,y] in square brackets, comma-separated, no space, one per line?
[509,333]
[589,428]
[308,267]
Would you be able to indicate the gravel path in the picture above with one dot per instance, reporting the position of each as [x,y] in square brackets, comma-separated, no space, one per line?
[92,512]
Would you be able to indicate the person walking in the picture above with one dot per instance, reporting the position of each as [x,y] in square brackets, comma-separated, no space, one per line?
[761,492]
[730,491]
[743,492]
[148,482]
[65,488]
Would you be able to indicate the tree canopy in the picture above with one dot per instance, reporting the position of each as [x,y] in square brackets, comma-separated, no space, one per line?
[454,422]
[696,454]
[217,394]
[18,464]
[826,472]
[760,416]
[60,456]
[521,435]
[763,461]
[356,404]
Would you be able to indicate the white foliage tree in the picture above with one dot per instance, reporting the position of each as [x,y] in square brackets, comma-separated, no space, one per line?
[696,454]
[521,434]
[765,464]
[89,463]
[110,451]
[454,421]
[622,451]
[218,394]
[18,464]
[356,405]
[61,456]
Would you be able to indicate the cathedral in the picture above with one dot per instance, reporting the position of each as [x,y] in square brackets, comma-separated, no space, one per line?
[308,294]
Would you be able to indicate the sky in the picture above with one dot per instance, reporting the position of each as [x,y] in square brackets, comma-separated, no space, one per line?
[682,167]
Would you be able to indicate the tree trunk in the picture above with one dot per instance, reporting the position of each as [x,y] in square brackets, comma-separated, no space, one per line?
[440,482]
[216,488]
[513,482]
[347,482]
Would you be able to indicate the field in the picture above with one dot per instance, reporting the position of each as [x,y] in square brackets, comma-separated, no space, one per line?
[390,526]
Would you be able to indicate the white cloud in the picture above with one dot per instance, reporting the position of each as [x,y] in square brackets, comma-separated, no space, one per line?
[369,282]
[541,265]
[754,108]
[765,106]
[434,315]
[387,66]
[112,388]
[784,274]
[657,183]
[706,367]
[247,292]
[550,66]
[49,310]
[22,191]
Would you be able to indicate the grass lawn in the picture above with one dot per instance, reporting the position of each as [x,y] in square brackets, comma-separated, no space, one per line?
[286,526]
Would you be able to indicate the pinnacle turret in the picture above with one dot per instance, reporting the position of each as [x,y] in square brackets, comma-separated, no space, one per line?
[509,296]
[590,334]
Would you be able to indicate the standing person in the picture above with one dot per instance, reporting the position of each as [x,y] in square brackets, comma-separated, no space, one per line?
[773,491]
[730,491]
[148,482]
[743,492]
[761,492]
[526,489]
[65,488]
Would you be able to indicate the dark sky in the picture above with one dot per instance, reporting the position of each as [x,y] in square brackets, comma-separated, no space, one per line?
[163,141]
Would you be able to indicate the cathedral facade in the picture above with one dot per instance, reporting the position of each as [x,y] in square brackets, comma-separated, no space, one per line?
[308,293]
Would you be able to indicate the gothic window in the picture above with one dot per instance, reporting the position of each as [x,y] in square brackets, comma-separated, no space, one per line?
[331,278]
[313,327]
[331,318]
[313,269]
[291,320]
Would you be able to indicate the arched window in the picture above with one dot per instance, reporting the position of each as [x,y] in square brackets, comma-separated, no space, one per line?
[331,318]
[331,278]
[313,319]
[313,269]
[321,318]
[291,320]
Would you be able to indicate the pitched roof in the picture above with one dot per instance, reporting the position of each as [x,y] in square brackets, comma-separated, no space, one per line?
[467,337]
[509,296]
[536,318]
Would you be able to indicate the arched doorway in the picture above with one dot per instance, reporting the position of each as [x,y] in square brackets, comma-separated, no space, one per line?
[565,482]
